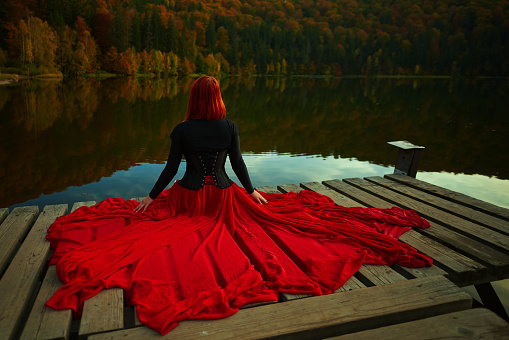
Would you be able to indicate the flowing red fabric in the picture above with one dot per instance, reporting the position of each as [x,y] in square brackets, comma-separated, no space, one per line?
[203,254]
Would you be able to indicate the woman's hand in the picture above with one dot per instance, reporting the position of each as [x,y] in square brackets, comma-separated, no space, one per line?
[258,198]
[143,204]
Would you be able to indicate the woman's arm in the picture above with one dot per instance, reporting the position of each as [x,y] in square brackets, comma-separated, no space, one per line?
[237,162]
[169,171]
[240,169]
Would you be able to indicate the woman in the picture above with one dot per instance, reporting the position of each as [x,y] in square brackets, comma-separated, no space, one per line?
[206,247]
[205,138]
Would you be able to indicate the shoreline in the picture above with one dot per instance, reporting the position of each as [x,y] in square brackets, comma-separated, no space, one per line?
[13,78]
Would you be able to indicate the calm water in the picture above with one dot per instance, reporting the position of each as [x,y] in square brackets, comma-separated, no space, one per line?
[89,140]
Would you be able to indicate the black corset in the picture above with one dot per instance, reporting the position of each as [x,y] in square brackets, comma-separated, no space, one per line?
[205,168]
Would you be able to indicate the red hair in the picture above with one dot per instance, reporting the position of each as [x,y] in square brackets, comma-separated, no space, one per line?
[205,100]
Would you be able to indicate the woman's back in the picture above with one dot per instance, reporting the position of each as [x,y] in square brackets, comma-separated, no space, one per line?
[205,144]
[202,135]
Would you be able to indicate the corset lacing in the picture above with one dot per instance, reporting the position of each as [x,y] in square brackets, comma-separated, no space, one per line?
[206,167]
[208,162]
[209,180]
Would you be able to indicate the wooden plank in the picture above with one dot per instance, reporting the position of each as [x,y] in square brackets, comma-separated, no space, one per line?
[360,197]
[472,230]
[323,316]
[457,209]
[289,187]
[378,275]
[103,312]
[137,322]
[18,284]
[12,231]
[351,284]
[497,262]
[478,323]
[45,322]
[258,304]
[336,196]
[411,273]
[290,297]
[460,268]
[387,275]
[268,189]
[82,204]
[453,196]
[3,214]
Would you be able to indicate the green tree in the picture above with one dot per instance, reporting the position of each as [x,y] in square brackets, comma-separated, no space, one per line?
[119,33]
[211,35]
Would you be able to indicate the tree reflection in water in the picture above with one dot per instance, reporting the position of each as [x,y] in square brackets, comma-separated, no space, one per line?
[56,135]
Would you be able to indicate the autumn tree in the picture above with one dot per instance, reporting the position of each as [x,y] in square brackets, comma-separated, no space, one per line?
[110,60]
[102,26]
[33,42]
[3,57]
[310,36]
[89,44]
[171,64]
[133,61]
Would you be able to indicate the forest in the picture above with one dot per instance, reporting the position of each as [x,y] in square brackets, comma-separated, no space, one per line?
[267,37]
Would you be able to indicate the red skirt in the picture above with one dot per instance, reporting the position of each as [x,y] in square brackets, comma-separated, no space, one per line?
[203,254]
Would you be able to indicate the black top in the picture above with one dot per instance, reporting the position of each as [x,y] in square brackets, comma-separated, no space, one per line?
[205,145]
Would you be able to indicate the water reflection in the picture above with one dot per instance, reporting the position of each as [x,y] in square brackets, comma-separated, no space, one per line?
[60,135]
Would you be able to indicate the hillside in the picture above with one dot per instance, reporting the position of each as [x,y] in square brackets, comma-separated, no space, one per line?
[400,37]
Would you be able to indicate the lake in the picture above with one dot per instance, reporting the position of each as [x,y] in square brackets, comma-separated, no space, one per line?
[63,142]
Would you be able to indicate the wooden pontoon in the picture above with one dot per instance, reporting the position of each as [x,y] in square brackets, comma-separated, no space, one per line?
[468,241]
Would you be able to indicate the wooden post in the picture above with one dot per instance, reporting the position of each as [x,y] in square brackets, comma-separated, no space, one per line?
[408,158]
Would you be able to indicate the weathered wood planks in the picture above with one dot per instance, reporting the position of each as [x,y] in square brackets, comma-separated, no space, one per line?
[45,322]
[467,244]
[18,285]
[337,197]
[289,187]
[378,275]
[458,255]
[459,268]
[351,284]
[323,316]
[453,196]
[104,312]
[461,211]
[476,323]
[477,232]
[268,189]
[12,231]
